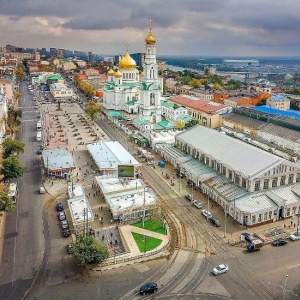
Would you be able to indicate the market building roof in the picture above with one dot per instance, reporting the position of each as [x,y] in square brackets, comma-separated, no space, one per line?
[110,154]
[58,159]
[240,156]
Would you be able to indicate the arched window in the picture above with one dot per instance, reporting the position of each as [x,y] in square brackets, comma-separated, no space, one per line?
[152,99]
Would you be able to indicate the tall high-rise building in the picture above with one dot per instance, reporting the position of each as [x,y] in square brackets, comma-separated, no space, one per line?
[53,51]
[60,53]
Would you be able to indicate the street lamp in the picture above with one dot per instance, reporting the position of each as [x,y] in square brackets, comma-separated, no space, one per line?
[284,287]
[225,220]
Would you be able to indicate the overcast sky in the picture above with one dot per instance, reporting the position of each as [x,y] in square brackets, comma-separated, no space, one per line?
[181,27]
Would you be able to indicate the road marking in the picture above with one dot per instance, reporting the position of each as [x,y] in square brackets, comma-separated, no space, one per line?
[295,266]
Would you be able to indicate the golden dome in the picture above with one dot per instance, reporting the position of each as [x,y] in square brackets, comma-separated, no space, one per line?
[110,72]
[118,74]
[127,62]
[150,39]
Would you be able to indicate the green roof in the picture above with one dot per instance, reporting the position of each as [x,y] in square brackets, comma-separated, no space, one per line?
[131,103]
[166,124]
[114,114]
[55,77]
[140,121]
[185,118]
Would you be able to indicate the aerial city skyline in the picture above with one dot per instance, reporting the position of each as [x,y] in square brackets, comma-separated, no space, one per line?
[194,28]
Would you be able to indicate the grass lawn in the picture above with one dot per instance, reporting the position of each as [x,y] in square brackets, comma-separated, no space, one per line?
[152,226]
[145,243]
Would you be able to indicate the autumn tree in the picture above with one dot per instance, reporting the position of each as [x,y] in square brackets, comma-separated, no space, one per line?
[6,203]
[92,110]
[13,119]
[11,146]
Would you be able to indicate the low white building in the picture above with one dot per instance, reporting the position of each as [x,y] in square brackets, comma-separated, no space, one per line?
[127,199]
[108,155]
[61,91]
[75,190]
[81,212]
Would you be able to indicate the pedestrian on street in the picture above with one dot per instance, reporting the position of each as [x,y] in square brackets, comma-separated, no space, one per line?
[52,183]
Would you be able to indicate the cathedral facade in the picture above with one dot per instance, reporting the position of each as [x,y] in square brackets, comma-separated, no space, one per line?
[136,93]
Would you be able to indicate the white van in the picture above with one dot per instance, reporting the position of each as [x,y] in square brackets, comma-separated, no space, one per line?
[39,126]
[39,136]
[13,191]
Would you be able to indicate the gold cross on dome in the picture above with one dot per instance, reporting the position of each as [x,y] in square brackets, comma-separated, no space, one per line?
[150,24]
[127,46]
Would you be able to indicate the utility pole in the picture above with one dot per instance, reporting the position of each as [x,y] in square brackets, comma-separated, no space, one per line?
[225,221]
[144,207]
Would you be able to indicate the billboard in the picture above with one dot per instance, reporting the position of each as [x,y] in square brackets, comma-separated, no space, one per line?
[126,171]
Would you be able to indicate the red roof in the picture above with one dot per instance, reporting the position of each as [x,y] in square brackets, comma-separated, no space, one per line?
[200,105]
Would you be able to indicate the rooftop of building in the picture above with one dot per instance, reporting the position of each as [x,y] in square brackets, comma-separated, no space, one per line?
[201,105]
[291,114]
[57,159]
[110,154]
[213,143]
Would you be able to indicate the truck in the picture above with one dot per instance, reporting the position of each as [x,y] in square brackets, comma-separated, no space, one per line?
[255,245]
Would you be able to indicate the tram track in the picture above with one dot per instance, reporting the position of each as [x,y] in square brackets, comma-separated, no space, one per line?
[193,222]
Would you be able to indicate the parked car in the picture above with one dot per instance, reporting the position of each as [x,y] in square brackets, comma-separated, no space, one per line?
[206,214]
[42,190]
[59,207]
[40,151]
[64,224]
[295,236]
[197,203]
[66,232]
[61,216]
[150,287]
[215,221]
[248,237]
[179,174]
[189,197]
[220,269]
[279,242]
[70,248]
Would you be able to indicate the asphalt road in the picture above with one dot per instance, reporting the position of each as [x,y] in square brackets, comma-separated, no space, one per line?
[24,231]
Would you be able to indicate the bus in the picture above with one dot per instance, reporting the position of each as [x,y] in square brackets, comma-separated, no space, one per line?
[39,126]
[13,191]
[39,136]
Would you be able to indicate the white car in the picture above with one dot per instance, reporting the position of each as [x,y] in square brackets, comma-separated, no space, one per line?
[206,213]
[42,190]
[197,203]
[220,269]
[295,236]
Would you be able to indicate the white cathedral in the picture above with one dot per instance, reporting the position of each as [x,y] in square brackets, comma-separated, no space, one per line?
[134,92]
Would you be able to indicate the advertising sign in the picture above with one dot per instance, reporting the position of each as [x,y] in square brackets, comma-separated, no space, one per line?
[126,171]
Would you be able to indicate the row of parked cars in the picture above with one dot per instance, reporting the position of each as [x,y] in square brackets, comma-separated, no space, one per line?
[205,213]
[64,224]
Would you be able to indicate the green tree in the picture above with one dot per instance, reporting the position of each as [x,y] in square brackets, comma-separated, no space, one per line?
[13,119]
[92,110]
[6,202]
[88,251]
[12,168]
[11,146]
[191,123]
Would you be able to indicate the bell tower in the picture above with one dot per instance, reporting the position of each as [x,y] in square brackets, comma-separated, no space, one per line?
[150,109]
